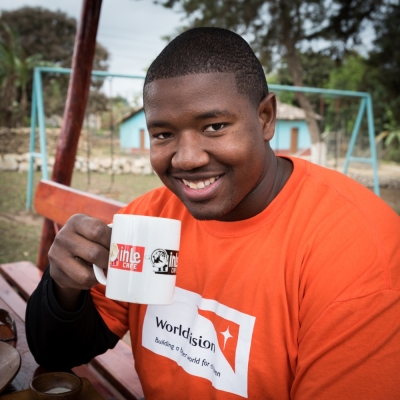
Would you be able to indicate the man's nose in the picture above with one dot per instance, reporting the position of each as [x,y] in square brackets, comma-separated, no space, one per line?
[190,153]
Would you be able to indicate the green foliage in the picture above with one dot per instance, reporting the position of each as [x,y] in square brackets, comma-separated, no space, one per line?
[48,36]
[349,75]
[15,72]
[385,57]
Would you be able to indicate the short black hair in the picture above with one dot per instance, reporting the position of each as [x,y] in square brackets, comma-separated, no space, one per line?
[207,50]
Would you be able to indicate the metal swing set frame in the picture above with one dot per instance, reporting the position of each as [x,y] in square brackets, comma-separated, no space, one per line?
[38,118]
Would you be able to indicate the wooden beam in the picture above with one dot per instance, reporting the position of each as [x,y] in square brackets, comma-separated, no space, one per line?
[78,92]
[58,202]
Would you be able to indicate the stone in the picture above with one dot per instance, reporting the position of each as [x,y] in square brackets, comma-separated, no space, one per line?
[105,163]
[23,166]
[136,170]
[126,167]
[147,170]
[139,162]
[50,161]
[25,157]
[93,165]
[10,162]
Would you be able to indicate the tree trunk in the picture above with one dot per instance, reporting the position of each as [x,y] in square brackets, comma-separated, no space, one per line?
[318,148]
[296,72]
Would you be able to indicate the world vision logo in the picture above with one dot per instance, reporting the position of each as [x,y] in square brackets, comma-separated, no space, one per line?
[206,338]
[227,334]
[126,257]
[164,261]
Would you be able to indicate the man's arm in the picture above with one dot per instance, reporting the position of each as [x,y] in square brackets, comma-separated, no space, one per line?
[64,329]
[59,339]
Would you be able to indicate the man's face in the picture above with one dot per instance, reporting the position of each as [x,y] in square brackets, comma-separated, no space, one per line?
[209,144]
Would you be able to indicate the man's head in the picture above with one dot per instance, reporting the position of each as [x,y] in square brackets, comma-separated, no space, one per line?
[210,120]
[207,50]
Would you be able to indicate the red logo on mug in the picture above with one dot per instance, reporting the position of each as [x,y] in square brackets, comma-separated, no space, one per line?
[126,257]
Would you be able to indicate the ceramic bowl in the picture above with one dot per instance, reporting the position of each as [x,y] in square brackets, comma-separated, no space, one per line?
[56,385]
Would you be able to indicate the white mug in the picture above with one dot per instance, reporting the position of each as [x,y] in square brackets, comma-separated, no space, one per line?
[143,259]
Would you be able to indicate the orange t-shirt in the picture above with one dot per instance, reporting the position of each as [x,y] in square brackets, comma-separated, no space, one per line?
[301,301]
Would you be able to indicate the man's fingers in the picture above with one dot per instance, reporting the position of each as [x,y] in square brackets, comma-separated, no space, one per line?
[91,229]
[82,241]
[70,243]
[76,275]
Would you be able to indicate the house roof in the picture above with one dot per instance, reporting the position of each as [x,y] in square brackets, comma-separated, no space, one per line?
[285,112]
[130,114]
[291,113]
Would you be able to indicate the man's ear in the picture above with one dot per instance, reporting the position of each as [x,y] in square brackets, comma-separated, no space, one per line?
[267,115]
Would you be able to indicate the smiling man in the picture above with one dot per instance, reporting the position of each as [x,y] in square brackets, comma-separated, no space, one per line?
[288,283]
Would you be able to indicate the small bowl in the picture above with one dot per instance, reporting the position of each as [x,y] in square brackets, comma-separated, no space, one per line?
[56,385]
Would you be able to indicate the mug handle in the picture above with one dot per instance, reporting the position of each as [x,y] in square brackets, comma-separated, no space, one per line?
[99,272]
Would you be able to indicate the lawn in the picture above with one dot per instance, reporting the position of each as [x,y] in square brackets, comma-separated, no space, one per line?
[22,229]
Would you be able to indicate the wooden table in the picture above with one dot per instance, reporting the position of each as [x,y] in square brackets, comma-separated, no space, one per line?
[29,368]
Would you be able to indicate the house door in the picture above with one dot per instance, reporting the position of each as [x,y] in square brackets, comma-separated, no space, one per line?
[142,149]
[294,137]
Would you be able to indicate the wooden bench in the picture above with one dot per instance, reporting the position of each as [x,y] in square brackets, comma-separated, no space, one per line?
[57,203]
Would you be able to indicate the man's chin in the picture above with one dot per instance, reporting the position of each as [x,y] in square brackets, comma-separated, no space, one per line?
[204,212]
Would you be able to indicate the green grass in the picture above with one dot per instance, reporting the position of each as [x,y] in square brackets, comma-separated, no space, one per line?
[22,229]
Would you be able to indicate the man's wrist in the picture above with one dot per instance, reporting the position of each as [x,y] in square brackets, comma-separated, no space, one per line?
[68,300]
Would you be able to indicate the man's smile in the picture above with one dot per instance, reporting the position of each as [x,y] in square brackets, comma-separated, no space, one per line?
[200,184]
[201,189]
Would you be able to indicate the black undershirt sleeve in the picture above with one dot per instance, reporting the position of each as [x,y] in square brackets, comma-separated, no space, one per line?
[61,340]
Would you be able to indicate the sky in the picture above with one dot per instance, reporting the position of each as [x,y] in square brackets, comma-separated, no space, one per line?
[131,30]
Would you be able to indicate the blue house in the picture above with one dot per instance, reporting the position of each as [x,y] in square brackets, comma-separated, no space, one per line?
[291,133]
[133,135]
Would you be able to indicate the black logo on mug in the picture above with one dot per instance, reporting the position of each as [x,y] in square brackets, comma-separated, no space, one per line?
[164,261]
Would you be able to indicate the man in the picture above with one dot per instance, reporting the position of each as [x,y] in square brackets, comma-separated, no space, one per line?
[288,283]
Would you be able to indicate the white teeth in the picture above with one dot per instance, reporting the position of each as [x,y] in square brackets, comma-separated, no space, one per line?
[199,184]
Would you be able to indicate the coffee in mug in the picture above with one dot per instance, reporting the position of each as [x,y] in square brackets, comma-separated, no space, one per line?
[143,259]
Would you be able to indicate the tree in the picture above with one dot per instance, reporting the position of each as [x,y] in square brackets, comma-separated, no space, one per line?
[385,57]
[51,35]
[279,29]
[15,71]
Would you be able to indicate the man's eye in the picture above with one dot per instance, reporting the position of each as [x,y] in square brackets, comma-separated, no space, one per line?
[214,127]
[164,135]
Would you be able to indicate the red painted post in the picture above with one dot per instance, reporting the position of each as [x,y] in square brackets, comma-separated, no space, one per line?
[78,91]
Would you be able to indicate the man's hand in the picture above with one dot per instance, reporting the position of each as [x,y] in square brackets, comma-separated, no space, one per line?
[81,242]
